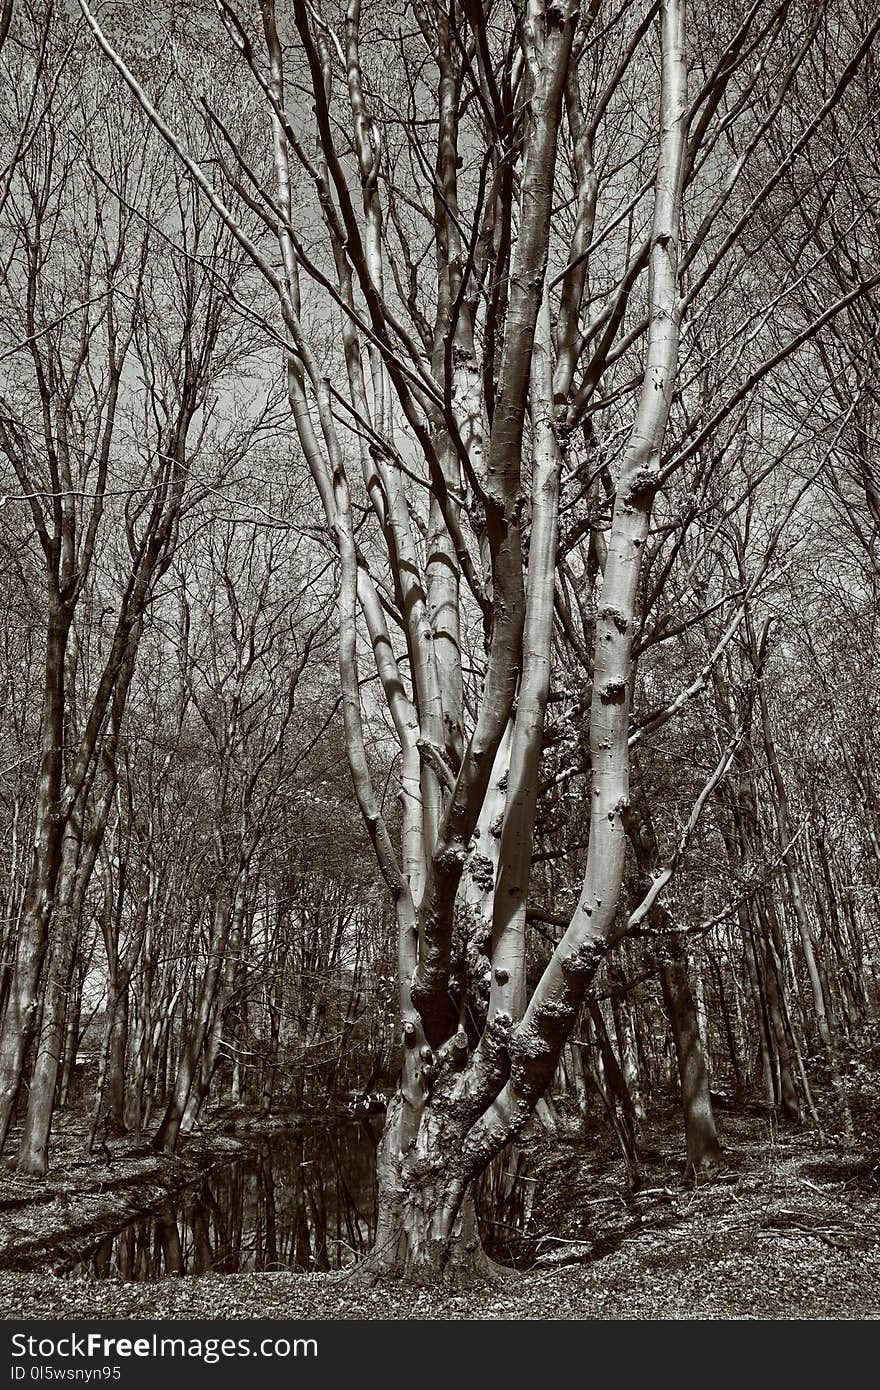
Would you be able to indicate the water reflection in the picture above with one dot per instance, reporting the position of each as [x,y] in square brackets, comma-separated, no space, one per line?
[302,1201]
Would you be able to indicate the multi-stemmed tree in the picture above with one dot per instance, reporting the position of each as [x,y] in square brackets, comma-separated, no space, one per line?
[538,235]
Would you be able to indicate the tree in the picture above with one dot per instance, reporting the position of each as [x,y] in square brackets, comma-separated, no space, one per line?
[106,409]
[565,383]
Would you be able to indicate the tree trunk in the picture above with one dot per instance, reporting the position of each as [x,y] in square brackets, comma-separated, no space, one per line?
[33,1154]
[113,1098]
[192,1050]
[703,1148]
[72,1022]
[774,985]
[629,1061]
[274,1006]
[616,1094]
[762,1018]
[427,1224]
[22,1004]
[77,864]
[782,816]
[726,1021]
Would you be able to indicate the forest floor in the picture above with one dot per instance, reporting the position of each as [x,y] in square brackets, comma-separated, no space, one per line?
[789,1227]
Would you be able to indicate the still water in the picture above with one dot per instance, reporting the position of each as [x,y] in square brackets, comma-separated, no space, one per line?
[304,1200]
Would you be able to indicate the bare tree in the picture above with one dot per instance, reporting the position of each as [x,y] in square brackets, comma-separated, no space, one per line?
[563,384]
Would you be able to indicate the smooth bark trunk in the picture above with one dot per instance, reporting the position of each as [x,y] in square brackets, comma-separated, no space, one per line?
[703,1147]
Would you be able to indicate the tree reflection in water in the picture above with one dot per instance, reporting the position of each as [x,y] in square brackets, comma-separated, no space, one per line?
[300,1201]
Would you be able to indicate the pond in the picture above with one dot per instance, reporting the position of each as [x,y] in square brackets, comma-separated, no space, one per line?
[302,1200]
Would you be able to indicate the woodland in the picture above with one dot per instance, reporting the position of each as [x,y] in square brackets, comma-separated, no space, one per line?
[439,601]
